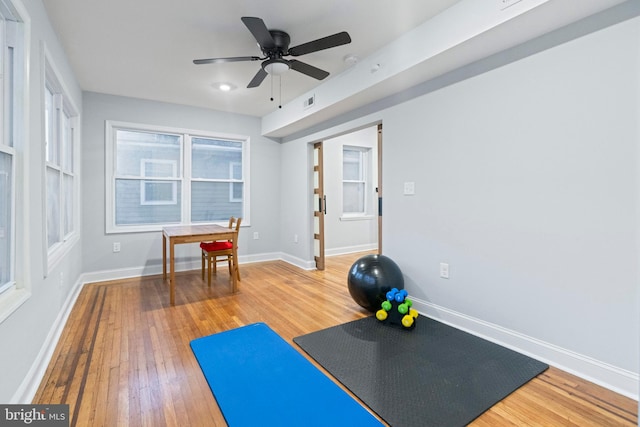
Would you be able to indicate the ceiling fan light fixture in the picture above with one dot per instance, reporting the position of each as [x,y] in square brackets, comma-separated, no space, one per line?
[275,66]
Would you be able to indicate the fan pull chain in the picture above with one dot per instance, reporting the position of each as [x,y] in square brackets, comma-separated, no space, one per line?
[271,80]
[280,100]
[279,89]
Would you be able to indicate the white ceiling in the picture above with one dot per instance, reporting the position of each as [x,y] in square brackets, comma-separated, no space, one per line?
[144,48]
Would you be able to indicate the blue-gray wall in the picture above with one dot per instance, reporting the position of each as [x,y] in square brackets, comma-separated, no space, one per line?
[145,249]
[527,183]
[25,331]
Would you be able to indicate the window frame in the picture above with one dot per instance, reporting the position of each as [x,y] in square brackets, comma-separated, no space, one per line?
[15,294]
[66,123]
[363,162]
[184,179]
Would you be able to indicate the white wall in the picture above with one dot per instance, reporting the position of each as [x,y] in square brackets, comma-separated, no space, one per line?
[343,235]
[26,333]
[527,185]
[141,253]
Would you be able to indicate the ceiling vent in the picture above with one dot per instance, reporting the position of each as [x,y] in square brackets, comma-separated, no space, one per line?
[309,102]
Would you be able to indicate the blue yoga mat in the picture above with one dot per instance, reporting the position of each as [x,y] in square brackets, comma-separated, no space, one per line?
[258,379]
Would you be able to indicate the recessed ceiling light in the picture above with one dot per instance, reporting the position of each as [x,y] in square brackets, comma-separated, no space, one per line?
[224,86]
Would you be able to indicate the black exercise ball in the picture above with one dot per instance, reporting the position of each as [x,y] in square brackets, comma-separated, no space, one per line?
[371,277]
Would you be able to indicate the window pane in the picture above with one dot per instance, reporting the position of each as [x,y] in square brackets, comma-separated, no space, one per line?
[210,201]
[352,165]
[49,123]
[130,210]
[53,206]
[133,147]
[68,204]
[67,143]
[159,192]
[353,197]
[11,87]
[6,198]
[216,159]
[158,168]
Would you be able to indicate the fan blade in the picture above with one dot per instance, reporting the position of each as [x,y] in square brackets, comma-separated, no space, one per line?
[324,43]
[232,59]
[307,69]
[259,31]
[257,79]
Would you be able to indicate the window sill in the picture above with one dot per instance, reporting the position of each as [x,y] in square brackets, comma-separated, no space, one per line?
[55,255]
[357,217]
[11,300]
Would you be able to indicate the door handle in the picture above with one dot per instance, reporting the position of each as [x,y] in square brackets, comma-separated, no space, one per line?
[324,198]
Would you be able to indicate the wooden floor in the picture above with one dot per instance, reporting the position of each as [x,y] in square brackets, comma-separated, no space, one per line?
[124,357]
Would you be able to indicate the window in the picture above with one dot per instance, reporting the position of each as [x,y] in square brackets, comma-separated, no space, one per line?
[11,125]
[354,180]
[7,201]
[60,119]
[159,176]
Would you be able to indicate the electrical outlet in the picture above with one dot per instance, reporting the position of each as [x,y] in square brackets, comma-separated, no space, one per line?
[295,238]
[256,235]
[444,270]
[116,246]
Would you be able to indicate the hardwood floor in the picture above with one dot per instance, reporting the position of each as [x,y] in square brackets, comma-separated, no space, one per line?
[124,357]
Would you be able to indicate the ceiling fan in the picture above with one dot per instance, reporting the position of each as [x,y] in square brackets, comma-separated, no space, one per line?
[274,45]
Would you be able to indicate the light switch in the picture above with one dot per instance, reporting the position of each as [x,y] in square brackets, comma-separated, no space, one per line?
[409,188]
[444,270]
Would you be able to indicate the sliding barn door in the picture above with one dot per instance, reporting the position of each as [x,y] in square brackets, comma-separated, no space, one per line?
[319,203]
[379,188]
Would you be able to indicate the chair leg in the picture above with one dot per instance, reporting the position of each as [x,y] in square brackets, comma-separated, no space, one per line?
[202,256]
[209,270]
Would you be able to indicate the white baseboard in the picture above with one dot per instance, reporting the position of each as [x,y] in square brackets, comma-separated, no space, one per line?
[126,273]
[29,386]
[613,378]
[298,262]
[351,249]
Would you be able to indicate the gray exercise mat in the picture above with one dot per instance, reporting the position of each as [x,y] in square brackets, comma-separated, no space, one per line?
[433,375]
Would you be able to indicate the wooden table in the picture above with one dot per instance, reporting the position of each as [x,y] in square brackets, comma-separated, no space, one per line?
[192,234]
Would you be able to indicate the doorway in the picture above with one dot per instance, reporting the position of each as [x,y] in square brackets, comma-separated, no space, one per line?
[347,193]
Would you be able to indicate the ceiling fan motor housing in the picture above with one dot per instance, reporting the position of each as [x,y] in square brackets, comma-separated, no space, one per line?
[281,42]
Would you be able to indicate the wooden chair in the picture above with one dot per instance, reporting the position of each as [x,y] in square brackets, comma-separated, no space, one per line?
[225,249]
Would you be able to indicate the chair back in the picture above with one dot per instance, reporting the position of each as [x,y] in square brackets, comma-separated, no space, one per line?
[235,223]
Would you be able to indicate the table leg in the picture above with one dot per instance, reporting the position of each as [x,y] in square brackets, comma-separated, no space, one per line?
[164,257]
[172,273]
